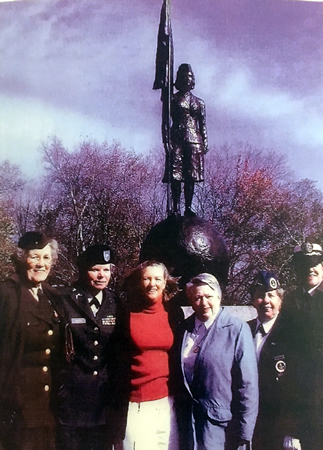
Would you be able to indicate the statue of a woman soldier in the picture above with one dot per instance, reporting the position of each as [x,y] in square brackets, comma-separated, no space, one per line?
[189,140]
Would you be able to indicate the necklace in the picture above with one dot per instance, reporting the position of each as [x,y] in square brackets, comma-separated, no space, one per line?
[198,345]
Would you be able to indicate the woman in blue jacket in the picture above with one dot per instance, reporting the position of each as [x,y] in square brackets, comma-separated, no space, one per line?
[219,371]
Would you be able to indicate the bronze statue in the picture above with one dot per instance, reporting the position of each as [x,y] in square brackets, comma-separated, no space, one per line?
[187,245]
[188,140]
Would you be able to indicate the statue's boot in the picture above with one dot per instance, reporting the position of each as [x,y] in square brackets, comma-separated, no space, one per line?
[176,197]
[188,193]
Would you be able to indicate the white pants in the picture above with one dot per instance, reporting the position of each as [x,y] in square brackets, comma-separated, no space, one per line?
[151,426]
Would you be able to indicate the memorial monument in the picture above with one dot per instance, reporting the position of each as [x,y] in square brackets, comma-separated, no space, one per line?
[186,244]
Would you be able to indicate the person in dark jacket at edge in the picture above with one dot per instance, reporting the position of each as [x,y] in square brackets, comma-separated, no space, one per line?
[274,426]
[304,309]
[219,373]
[84,398]
[29,338]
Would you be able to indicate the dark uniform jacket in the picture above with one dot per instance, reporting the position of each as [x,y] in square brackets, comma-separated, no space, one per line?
[28,345]
[274,366]
[305,313]
[189,138]
[83,389]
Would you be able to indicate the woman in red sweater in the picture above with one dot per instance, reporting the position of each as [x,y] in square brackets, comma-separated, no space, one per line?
[151,422]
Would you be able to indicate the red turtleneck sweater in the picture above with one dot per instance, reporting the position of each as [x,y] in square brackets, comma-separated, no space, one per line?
[153,337]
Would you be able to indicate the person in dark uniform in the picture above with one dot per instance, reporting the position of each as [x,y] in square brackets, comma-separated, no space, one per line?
[304,308]
[271,341]
[89,309]
[189,140]
[29,331]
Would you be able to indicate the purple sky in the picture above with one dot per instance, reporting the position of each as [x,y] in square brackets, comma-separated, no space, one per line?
[84,69]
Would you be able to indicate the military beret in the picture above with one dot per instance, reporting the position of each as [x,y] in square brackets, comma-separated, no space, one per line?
[95,254]
[32,240]
[267,280]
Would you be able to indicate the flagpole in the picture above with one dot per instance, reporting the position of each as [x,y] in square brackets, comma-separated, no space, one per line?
[164,81]
[169,99]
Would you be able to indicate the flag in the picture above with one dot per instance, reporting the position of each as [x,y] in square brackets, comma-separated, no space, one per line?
[164,55]
[164,81]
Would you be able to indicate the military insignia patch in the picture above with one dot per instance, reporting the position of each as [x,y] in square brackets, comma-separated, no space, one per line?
[280,366]
[307,247]
[273,283]
[106,255]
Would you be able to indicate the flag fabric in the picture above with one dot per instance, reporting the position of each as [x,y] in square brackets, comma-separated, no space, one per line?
[164,55]
[164,81]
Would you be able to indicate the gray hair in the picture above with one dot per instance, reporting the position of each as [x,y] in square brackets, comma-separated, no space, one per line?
[20,255]
[201,280]
[280,292]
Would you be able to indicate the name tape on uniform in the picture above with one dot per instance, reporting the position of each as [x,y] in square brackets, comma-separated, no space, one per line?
[78,320]
[109,320]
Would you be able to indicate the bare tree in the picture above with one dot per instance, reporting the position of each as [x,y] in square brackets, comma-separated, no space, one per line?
[11,182]
[104,193]
[250,196]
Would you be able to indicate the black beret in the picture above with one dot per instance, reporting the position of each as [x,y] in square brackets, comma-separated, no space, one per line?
[95,254]
[32,240]
[267,280]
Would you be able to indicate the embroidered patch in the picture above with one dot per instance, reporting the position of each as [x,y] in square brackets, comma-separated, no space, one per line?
[106,255]
[273,283]
[78,320]
[109,320]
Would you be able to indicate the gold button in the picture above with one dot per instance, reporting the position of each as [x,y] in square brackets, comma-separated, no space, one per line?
[46,388]
[47,351]
[45,369]
[95,373]
[95,343]
[95,357]
[50,332]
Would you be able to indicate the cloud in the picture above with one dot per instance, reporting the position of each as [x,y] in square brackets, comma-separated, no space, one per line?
[36,123]
[86,68]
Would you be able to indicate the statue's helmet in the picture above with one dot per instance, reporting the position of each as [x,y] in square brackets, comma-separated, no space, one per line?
[185,79]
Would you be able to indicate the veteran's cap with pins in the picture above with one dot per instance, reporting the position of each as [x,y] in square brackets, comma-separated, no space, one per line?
[268,281]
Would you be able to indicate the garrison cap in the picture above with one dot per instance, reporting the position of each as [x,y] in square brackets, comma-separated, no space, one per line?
[307,254]
[95,254]
[184,68]
[267,280]
[182,71]
[32,240]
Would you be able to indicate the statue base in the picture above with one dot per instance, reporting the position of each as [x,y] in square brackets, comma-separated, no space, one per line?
[187,246]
